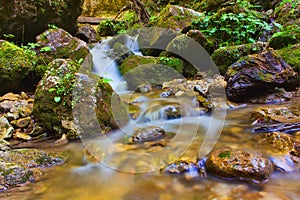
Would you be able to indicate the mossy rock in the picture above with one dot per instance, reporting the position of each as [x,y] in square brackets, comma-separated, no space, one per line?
[66,92]
[16,66]
[292,56]
[174,17]
[22,165]
[239,164]
[57,43]
[257,75]
[139,70]
[135,61]
[211,5]
[290,35]
[288,12]
[195,56]
[110,27]
[225,56]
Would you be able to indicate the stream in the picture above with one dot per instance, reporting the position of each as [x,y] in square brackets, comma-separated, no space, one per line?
[130,172]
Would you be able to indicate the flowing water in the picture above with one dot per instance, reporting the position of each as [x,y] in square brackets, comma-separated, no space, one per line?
[130,172]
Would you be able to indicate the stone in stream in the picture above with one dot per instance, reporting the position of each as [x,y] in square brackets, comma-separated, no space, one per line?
[282,149]
[256,75]
[238,164]
[21,165]
[148,134]
[271,114]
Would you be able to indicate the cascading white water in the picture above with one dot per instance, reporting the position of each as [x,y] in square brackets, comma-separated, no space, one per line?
[107,67]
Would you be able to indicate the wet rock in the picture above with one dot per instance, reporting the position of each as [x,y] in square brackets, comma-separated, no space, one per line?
[139,70]
[6,128]
[26,18]
[22,122]
[256,75]
[281,127]
[187,168]
[17,65]
[273,114]
[22,165]
[282,150]
[280,95]
[62,45]
[148,134]
[10,97]
[238,164]
[225,56]
[54,103]
[86,33]
[175,17]
[20,135]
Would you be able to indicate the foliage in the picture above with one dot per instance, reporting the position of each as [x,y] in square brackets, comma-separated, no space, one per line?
[174,63]
[287,36]
[231,26]
[110,27]
[66,79]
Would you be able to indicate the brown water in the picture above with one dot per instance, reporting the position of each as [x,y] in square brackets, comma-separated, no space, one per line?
[78,179]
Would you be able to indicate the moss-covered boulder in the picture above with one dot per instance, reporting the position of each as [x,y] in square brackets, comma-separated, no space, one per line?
[110,27]
[287,12]
[19,68]
[256,75]
[63,89]
[238,164]
[58,43]
[289,36]
[174,17]
[25,19]
[292,56]
[21,165]
[225,56]
[195,56]
[139,70]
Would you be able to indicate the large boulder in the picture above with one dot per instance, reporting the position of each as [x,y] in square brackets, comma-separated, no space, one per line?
[139,70]
[25,19]
[58,43]
[239,164]
[225,56]
[19,67]
[175,17]
[256,75]
[63,91]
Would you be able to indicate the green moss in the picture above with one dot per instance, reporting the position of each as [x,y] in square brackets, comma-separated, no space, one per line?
[135,61]
[290,35]
[288,12]
[225,56]
[224,154]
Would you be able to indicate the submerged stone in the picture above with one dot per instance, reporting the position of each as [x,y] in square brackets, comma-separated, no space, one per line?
[282,149]
[148,134]
[238,164]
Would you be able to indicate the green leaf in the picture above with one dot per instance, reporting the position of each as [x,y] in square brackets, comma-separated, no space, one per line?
[279,26]
[45,49]
[57,99]
[51,90]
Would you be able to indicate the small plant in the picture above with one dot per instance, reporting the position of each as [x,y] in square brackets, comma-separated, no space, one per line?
[8,36]
[66,81]
[52,26]
[232,28]
[225,154]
